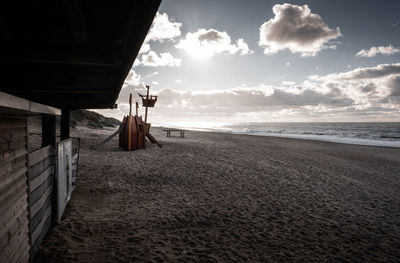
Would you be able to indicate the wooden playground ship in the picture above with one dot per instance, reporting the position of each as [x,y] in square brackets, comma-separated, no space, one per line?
[133,131]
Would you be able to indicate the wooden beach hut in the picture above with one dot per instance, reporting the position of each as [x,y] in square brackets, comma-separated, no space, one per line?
[56,56]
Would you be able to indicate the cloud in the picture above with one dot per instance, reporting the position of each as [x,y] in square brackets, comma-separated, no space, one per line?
[368,86]
[378,71]
[145,48]
[360,93]
[374,51]
[297,29]
[364,94]
[163,28]
[207,43]
[393,84]
[152,74]
[133,78]
[152,59]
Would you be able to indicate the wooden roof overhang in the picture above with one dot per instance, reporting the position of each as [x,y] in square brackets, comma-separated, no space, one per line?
[71,54]
[12,105]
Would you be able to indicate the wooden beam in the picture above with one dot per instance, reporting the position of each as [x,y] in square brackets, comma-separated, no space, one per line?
[17,103]
[72,61]
[49,131]
[65,124]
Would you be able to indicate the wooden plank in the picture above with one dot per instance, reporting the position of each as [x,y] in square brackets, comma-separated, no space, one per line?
[39,228]
[9,179]
[40,155]
[12,123]
[12,133]
[35,183]
[18,180]
[28,189]
[10,217]
[38,192]
[38,168]
[8,168]
[10,101]
[17,143]
[9,156]
[14,225]
[39,203]
[24,254]
[14,102]
[13,249]
[12,193]
[18,207]
[43,109]
[46,227]
[35,221]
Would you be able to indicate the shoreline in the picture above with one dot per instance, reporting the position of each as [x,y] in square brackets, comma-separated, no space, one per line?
[325,138]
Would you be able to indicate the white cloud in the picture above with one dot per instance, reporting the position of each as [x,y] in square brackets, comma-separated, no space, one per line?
[155,82]
[133,78]
[152,74]
[374,51]
[288,83]
[369,86]
[297,29]
[207,43]
[145,48]
[163,28]
[152,59]
[178,81]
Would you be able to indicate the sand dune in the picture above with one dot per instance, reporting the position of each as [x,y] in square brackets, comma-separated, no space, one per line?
[230,198]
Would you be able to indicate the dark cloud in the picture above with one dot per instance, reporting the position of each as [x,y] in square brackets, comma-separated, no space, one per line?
[211,35]
[394,86]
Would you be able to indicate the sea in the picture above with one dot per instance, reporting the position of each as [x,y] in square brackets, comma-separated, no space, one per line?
[386,134]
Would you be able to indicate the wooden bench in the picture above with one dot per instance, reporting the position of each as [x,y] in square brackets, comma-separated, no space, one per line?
[182,132]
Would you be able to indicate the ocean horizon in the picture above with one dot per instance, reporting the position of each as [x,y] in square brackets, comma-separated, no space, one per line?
[384,134]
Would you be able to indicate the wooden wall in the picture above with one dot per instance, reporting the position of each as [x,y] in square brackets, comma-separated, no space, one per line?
[41,177]
[14,230]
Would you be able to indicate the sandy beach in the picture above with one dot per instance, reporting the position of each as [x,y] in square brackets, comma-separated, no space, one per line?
[230,198]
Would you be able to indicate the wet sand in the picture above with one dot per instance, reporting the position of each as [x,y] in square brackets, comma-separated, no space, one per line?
[230,198]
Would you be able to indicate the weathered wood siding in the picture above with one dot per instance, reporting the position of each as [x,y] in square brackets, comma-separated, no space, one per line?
[14,230]
[41,177]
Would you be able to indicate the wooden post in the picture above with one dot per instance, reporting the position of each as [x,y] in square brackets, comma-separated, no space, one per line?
[137,108]
[64,125]
[130,123]
[147,98]
[130,104]
[49,130]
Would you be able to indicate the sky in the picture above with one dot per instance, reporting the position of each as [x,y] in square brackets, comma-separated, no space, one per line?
[224,62]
